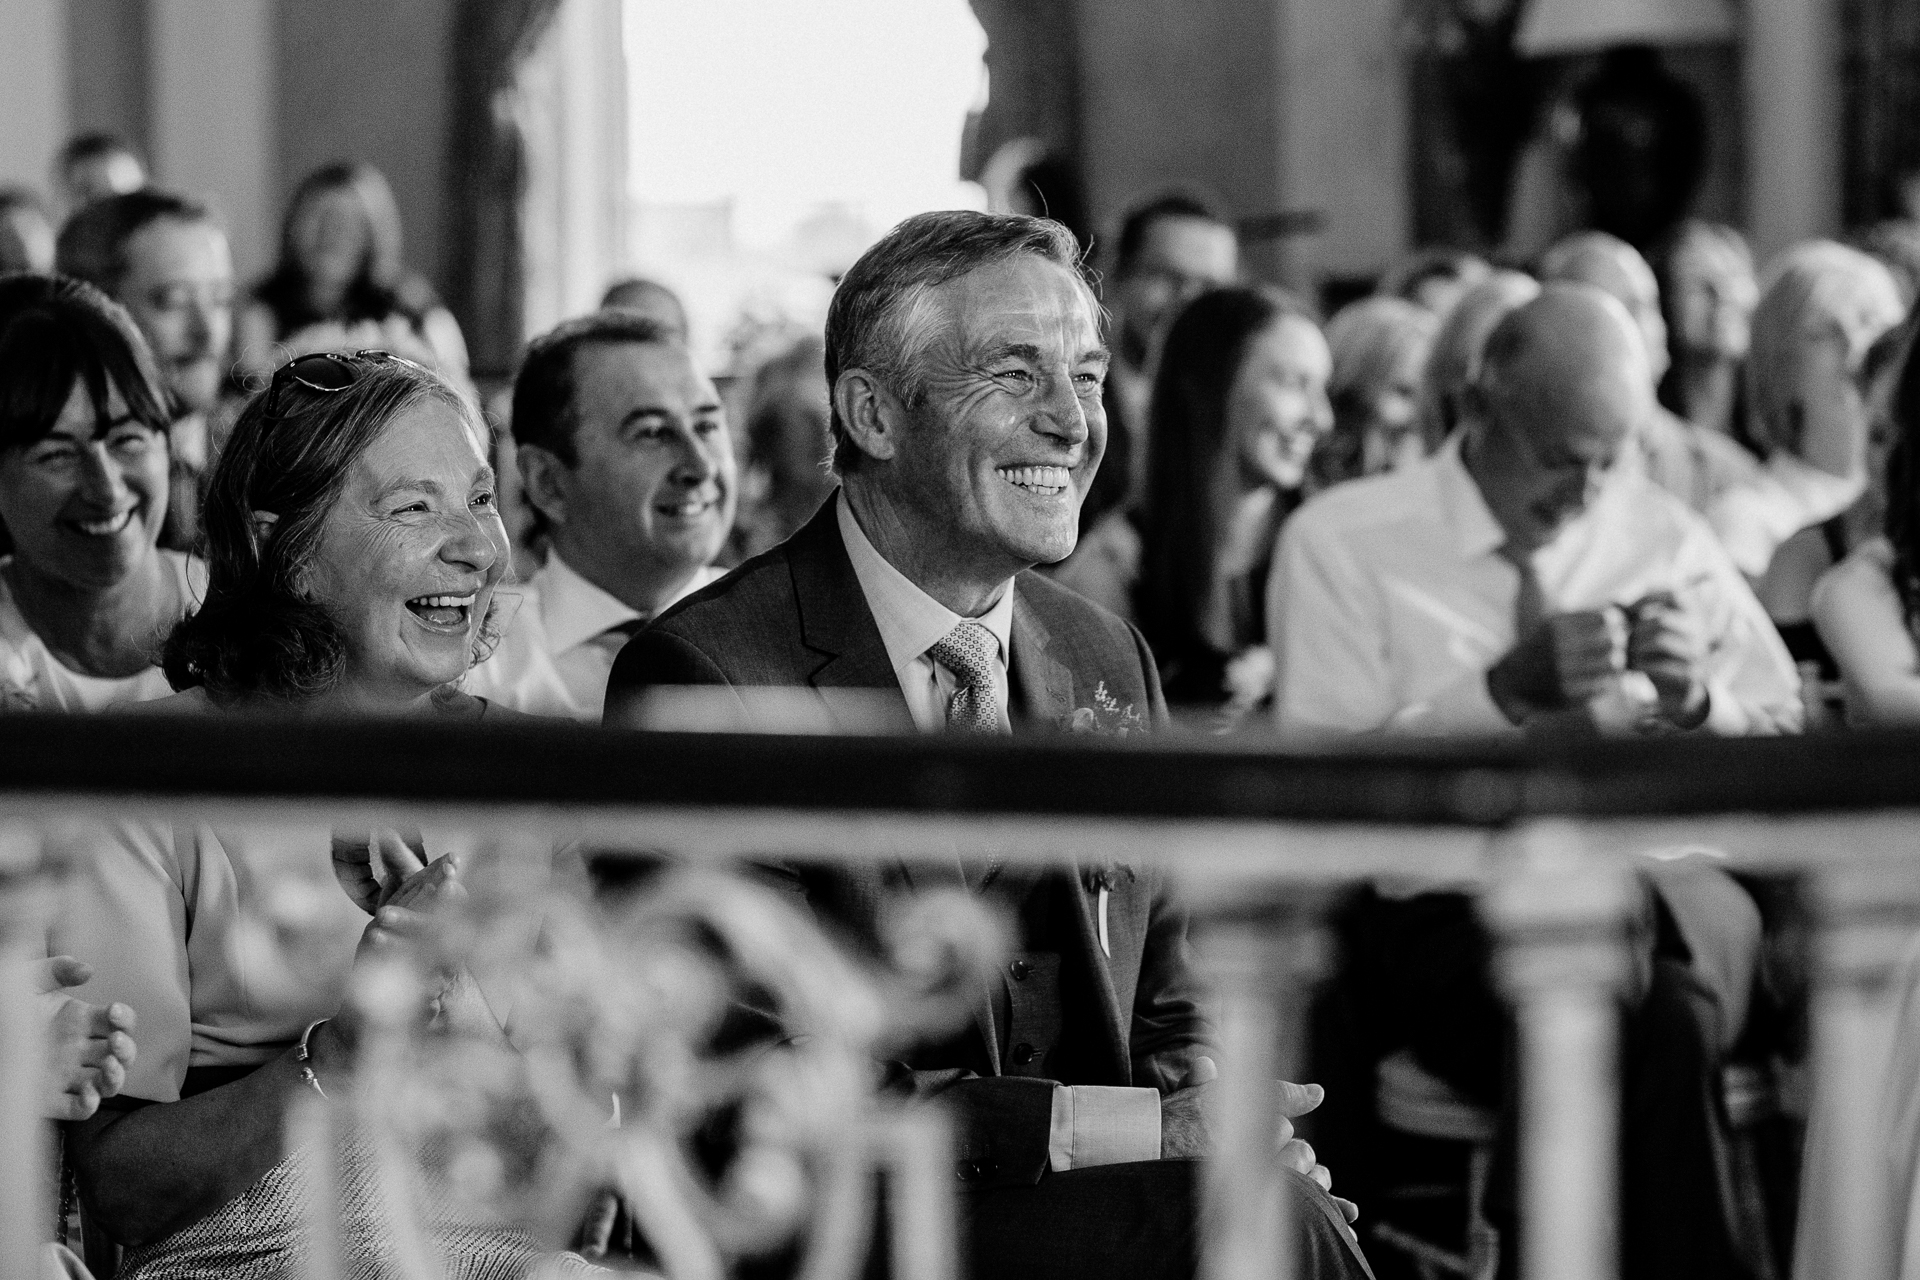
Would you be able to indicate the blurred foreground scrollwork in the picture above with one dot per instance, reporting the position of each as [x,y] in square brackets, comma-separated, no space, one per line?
[658,1068]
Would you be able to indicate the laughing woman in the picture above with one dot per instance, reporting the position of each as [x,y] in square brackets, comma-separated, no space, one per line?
[86,596]
[354,549]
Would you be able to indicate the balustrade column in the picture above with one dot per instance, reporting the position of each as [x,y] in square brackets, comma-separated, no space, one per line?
[1260,964]
[26,1212]
[1559,922]
[1867,919]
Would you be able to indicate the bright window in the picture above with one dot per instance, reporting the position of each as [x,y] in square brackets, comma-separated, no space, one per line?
[770,141]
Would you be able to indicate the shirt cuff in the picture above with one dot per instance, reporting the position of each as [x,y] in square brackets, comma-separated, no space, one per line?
[1096,1124]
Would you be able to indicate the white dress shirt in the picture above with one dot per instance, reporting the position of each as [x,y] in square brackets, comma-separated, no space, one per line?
[557,646]
[912,622]
[1389,602]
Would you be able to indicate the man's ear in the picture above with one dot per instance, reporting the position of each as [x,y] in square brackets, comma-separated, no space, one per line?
[542,480]
[871,413]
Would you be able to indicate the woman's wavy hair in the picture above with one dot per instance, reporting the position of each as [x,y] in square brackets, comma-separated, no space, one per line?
[1187,444]
[1803,292]
[1368,338]
[260,635]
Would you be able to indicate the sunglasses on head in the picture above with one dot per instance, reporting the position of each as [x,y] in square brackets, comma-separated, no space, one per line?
[326,372]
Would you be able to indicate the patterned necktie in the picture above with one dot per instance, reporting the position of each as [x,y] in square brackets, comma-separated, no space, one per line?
[968,651]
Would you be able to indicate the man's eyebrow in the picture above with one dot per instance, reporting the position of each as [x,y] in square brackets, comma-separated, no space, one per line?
[1099,355]
[1015,350]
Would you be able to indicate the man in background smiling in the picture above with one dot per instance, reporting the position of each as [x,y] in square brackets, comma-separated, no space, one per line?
[624,452]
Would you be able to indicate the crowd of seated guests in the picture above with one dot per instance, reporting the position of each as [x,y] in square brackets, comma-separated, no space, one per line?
[1599,495]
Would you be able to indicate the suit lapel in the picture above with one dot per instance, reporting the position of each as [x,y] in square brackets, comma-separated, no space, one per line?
[836,623]
[1042,686]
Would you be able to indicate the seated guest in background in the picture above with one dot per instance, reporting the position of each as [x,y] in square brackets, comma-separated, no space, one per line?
[624,451]
[1812,469]
[354,550]
[1825,352]
[651,299]
[26,233]
[342,285]
[93,166]
[1523,575]
[1380,347]
[1238,406]
[966,364]
[165,259]
[1435,279]
[86,595]
[1708,290]
[1454,361]
[1867,606]
[1169,250]
[1694,464]
[784,477]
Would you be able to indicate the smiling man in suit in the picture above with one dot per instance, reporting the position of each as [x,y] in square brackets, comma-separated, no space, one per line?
[966,365]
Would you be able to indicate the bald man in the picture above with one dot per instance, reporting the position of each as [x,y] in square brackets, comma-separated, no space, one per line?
[1526,575]
[1752,506]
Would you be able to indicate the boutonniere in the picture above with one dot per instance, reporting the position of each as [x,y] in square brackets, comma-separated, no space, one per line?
[1105,717]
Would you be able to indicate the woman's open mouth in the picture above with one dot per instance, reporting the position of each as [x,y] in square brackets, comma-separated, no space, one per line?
[443,613]
[107,528]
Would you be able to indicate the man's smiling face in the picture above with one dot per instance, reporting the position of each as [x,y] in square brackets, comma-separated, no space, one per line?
[1000,449]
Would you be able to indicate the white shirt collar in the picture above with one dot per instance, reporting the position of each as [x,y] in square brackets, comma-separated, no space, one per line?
[910,620]
[572,609]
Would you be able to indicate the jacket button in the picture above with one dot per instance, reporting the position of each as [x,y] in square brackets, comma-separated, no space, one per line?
[1023,1054]
[1019,970]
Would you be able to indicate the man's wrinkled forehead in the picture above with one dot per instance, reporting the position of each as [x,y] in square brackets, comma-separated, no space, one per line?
[1024,301]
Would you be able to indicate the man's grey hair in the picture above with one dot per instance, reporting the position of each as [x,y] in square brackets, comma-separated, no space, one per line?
[878,318]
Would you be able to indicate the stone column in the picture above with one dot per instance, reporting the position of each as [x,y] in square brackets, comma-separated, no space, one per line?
[1559,921]
[26,1214]
[1868,917]
[1259,962]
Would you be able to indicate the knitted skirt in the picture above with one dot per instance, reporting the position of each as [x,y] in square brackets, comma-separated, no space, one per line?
[265,1234]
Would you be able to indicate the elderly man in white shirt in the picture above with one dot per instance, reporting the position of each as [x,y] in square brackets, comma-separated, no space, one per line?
[624,451]
[1522,576]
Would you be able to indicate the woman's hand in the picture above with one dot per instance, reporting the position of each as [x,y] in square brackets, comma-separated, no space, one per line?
[373,869]
[89,1046]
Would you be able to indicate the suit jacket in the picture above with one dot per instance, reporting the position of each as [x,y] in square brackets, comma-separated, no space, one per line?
[796,616]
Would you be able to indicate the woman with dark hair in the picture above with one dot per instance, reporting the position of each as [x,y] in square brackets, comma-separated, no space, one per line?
[1239,401]
[341,284]
[1867,607]
[86,595]
[354,549]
